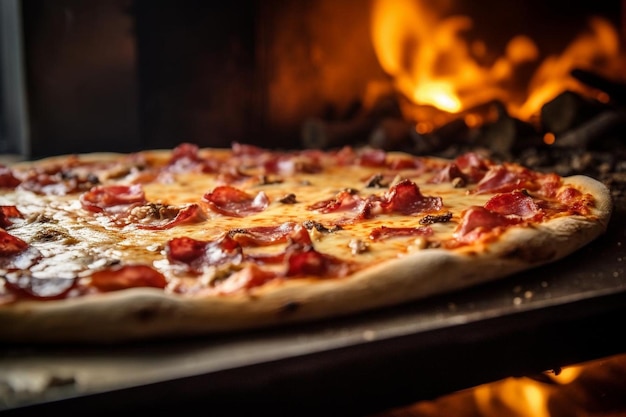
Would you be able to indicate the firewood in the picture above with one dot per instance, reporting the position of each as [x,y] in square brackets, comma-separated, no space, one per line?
[616,90]
[320,133]
[591,133]
[567,111]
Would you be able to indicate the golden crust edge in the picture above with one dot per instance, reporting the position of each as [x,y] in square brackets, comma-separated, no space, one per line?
[102,156]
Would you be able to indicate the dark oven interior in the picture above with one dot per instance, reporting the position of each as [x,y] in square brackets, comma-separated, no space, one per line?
[540,82]
[123,74]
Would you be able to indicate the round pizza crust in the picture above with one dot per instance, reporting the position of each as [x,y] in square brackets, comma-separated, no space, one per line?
[145,313]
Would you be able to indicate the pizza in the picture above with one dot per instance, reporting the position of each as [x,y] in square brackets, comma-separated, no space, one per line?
[163,243]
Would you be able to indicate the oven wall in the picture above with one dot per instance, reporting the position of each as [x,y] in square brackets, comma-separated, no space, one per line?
[122,75]
[80,76]
[13,120]
[248,70]
[198,76]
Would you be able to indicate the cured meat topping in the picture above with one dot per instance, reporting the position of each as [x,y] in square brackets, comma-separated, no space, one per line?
[222,221]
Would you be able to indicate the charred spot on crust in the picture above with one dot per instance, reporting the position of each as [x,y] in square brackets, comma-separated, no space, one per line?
[439,218]
[146,314]
[458,182]
[93,179]
[54,235]
[358,246]
[376,181]
[40,218]
[530,254]
[155,211]
[67,174]
[290,307]
[61,381]
[430,244]
[86,181]
[267,180]
[312,224]
[288,199]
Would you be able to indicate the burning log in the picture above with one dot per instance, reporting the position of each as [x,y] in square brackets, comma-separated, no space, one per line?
[400,135]
[508,135]
[455,132]
[576,122]
[567,111]
[393,134]
[449,137]
[318,133]
[616,90]
[321,134]
[595,132]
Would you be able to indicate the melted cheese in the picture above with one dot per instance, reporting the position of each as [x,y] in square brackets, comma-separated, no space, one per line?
[74,241]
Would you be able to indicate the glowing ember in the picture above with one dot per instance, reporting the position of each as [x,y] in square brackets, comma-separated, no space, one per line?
[592,388]
[433,64]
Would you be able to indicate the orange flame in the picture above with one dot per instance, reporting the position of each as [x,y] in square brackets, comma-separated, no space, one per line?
[431,64]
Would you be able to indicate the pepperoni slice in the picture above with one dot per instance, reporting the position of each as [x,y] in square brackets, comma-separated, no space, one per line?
[185,150]
[242,149]
[470,168]
[231,201]
[516,203]
[249,277]
[296,235]
[449,173]
[186,158]
[477,220]
[51,184]
[112,198]
[384,232]
[397,164]
[575,200]
[263,235]
[198,253]
[127,276]
[10,245]
[372,157]
[7,178]
[24,284]
[473,166]
[406,198]
[499,179]
[8,212]
[303,260]
[306,261]
[190,214]
[343,201]
[15,253]
[185,249]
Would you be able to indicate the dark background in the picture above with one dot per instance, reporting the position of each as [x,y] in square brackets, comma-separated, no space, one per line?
[123,75]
